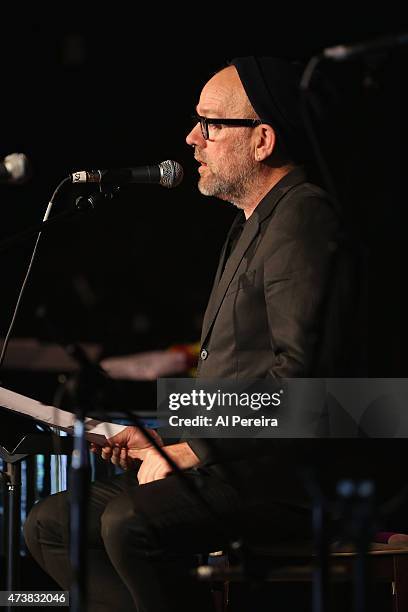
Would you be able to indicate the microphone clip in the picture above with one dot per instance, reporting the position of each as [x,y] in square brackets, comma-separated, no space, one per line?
[90,202]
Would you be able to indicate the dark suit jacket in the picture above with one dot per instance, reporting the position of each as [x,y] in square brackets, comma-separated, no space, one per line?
[275,310]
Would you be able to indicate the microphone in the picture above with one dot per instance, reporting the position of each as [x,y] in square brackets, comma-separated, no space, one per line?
[14,168]
[167,174]
[340,53]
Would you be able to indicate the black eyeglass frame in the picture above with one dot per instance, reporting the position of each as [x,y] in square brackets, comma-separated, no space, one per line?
[206,121]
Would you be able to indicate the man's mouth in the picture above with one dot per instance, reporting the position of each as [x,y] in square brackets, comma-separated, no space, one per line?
[201,166]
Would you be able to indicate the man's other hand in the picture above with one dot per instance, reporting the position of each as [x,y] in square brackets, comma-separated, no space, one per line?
[155,467]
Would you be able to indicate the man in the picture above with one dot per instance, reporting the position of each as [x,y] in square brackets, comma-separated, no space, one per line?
[267,316]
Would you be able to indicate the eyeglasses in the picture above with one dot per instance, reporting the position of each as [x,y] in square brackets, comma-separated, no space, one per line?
[206,121]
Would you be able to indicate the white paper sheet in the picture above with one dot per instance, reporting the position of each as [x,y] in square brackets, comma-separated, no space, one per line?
[96,431]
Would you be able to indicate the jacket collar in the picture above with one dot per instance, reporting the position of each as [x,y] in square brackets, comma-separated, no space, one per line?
[268,203]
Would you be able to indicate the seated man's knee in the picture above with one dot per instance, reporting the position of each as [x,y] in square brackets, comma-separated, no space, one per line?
[50,515]
[122,525]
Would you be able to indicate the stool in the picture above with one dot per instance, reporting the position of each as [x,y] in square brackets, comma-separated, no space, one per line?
[389,563]
[219,589]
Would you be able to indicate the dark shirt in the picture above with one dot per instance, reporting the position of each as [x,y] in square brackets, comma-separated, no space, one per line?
[234,237]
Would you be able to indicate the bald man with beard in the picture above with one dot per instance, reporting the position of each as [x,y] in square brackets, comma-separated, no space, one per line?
[270,314]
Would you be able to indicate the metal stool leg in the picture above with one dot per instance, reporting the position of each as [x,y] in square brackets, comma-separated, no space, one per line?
[13,484]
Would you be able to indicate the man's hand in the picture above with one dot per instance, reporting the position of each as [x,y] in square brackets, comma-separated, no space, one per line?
[130,443]
[133,438]
[155,467]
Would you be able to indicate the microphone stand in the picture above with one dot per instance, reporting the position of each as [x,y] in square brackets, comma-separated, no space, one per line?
[80,464]
[356,504]
[79,487]
[82,204]
[80,471]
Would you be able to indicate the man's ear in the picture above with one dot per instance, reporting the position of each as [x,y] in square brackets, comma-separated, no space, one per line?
[265,141]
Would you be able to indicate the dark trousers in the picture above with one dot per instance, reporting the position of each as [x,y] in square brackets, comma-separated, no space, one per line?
[143,540]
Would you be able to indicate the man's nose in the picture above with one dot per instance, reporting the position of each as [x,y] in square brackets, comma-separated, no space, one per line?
[195,137]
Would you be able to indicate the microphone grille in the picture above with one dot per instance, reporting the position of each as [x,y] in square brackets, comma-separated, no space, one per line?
[18,166]
[171,173]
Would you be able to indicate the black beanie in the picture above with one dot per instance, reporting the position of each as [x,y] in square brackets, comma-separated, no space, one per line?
[272,86]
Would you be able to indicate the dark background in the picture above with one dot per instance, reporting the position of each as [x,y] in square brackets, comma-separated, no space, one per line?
[111,89]
[114,87]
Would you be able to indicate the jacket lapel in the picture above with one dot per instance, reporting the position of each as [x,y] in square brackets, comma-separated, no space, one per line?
[237,221]
[249,232]
[251,228]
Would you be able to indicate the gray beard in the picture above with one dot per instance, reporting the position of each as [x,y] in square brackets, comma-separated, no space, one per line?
[231,190]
